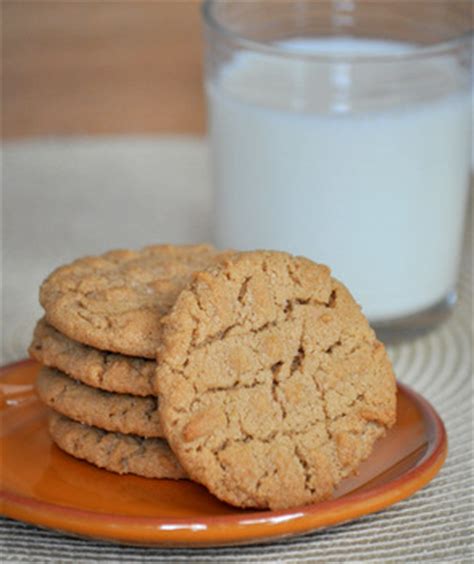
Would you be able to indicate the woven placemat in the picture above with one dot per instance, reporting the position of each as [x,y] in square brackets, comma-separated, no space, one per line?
[63,199]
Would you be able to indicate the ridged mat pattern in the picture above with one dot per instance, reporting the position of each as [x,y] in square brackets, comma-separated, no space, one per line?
[435,525]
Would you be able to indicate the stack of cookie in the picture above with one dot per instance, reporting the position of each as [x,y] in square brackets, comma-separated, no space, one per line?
[258,369]
[98,343]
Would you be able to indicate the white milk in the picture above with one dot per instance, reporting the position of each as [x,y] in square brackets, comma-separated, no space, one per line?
[377,195]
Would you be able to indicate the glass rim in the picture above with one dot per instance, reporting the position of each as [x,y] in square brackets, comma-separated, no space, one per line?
[418,51]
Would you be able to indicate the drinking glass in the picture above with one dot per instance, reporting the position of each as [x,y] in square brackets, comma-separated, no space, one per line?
[341,130]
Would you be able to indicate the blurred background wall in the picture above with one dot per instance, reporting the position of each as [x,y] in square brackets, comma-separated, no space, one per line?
[79,67]
[102,114]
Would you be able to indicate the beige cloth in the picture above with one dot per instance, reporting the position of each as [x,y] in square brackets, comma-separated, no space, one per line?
[70,197]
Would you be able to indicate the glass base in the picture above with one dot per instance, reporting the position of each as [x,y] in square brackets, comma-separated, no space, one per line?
[415,325]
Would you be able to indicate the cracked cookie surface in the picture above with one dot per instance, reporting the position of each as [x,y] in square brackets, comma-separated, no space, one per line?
[114,301]
[123,413]
[272,385]
[123,454]
[108,371]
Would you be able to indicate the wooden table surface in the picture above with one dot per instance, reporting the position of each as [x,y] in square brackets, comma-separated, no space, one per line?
[101,67]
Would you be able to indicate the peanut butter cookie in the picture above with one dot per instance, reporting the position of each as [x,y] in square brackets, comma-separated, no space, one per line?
[114,301]
[99,369]
[272,385]
[113,412]
[123,454]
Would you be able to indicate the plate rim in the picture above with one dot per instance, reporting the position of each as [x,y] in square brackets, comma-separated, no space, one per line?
[255,526]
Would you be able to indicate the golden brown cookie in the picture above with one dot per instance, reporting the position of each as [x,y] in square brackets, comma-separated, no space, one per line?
[114,301]
[124,454]
[272,385]
[107,371]
[113,412]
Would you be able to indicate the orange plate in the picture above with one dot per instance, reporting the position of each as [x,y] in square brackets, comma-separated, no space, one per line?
[42,485]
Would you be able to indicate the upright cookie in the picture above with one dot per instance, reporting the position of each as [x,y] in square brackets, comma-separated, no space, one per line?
[114,301]
[272,385]
[113,412]
[100,369]
[123,454]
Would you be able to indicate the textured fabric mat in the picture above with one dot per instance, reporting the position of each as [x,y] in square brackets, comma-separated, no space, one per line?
[68,198]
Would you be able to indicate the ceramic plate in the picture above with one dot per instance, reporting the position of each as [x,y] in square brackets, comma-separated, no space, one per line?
[42,485]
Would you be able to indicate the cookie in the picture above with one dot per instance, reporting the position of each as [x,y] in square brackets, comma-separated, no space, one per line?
[114,301]
[272,385]
[123,454]
[99,369]
[113,412]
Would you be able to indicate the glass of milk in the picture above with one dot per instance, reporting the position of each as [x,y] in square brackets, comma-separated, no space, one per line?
[342,131]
